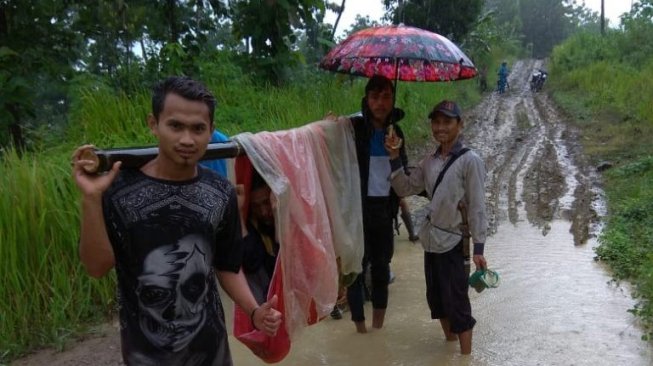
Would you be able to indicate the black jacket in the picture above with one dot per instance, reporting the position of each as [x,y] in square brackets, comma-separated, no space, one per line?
[363,129]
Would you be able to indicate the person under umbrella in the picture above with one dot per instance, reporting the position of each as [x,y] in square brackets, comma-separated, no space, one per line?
[380,203]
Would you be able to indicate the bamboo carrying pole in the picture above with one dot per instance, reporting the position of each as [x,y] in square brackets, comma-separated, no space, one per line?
[136,157]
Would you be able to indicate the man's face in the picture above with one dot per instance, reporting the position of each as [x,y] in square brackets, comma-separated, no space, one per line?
[183,129]
[445,129]
[380,103]
[260,206]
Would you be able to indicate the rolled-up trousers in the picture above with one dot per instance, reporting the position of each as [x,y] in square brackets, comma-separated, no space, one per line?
[379,247]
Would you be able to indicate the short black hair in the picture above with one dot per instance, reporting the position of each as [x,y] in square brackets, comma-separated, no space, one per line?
[185,87]
[257,181]
[378,83]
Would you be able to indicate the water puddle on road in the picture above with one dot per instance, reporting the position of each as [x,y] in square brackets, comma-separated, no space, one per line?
[555,306]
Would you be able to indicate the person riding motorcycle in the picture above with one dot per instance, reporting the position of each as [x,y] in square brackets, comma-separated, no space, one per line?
[537,79]
[503,77]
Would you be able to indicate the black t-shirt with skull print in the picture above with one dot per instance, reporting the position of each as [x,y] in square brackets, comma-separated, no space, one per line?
[168,238]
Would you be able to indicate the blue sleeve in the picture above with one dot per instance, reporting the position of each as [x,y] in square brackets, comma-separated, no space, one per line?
[219,165]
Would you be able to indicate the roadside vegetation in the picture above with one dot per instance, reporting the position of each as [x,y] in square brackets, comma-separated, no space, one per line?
[605,83]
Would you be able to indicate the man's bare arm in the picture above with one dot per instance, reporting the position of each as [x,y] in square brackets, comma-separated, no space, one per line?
[95,250]
[264,317]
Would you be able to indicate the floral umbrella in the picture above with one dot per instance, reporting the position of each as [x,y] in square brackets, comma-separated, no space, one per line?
[399,53]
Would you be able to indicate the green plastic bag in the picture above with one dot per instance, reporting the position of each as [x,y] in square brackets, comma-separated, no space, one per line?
[482,279]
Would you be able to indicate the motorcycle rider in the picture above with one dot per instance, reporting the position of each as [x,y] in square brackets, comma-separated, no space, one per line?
[537,79]
[503,77]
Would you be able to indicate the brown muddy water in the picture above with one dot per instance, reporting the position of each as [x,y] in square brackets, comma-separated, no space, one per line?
[555,304]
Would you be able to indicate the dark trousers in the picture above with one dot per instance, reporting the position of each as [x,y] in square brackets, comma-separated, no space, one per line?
[379,246]
[447,288]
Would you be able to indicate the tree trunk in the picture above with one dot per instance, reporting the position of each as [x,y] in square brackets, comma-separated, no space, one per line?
[15,130]
[170,10]
[335,26]
[603,17]
[17,138]
[143,52]
[4,28]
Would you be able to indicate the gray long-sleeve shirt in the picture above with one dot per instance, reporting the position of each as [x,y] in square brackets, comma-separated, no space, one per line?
[464,180]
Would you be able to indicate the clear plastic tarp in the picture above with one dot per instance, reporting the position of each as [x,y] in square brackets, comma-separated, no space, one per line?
[313,173]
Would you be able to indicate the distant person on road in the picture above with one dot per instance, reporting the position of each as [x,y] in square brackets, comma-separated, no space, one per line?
[169,228]
[503,72]
[380,203]
[538,77]
[463,180]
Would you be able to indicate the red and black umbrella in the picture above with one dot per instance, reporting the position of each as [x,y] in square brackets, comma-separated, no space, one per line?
[399,53]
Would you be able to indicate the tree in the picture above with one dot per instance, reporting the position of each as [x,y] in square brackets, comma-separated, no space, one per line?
[453,19]
[635,43]
[542,24]
[545,23]
[171,35]
[338,9]
[267,27]
[38,49]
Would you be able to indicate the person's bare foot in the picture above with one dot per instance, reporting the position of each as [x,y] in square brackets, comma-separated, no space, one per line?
[360,327]
[451,337]
[378,316]
[465,342]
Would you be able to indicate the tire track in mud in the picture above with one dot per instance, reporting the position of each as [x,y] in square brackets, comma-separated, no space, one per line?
[535,170]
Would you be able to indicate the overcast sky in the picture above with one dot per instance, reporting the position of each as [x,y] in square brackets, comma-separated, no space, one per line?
[374,8]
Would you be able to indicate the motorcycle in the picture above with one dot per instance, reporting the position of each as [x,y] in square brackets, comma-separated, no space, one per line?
[502,85]
[537,80]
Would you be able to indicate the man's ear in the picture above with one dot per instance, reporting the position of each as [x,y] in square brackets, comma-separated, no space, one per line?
[152,123]
[364,106]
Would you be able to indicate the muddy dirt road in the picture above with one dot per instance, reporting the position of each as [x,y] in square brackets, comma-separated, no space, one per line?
[554,306]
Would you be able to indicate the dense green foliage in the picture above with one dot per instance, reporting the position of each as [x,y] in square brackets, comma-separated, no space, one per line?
[47,46]
[606,83]
[542,24]
[453,19]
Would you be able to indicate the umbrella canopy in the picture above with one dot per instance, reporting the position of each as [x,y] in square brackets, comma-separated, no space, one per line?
[399,53]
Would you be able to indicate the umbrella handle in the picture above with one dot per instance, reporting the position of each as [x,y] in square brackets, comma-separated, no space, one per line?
[394,86]
[460,71]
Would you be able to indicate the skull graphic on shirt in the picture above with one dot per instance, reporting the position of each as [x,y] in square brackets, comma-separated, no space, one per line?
[172,293]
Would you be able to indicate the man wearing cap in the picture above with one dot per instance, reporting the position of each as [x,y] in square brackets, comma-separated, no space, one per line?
[440,235]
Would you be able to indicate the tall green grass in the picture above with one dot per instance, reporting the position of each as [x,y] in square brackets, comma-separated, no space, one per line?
[627,241]
[45,295]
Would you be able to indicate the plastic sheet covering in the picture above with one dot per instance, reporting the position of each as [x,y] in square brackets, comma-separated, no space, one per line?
[313,173]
